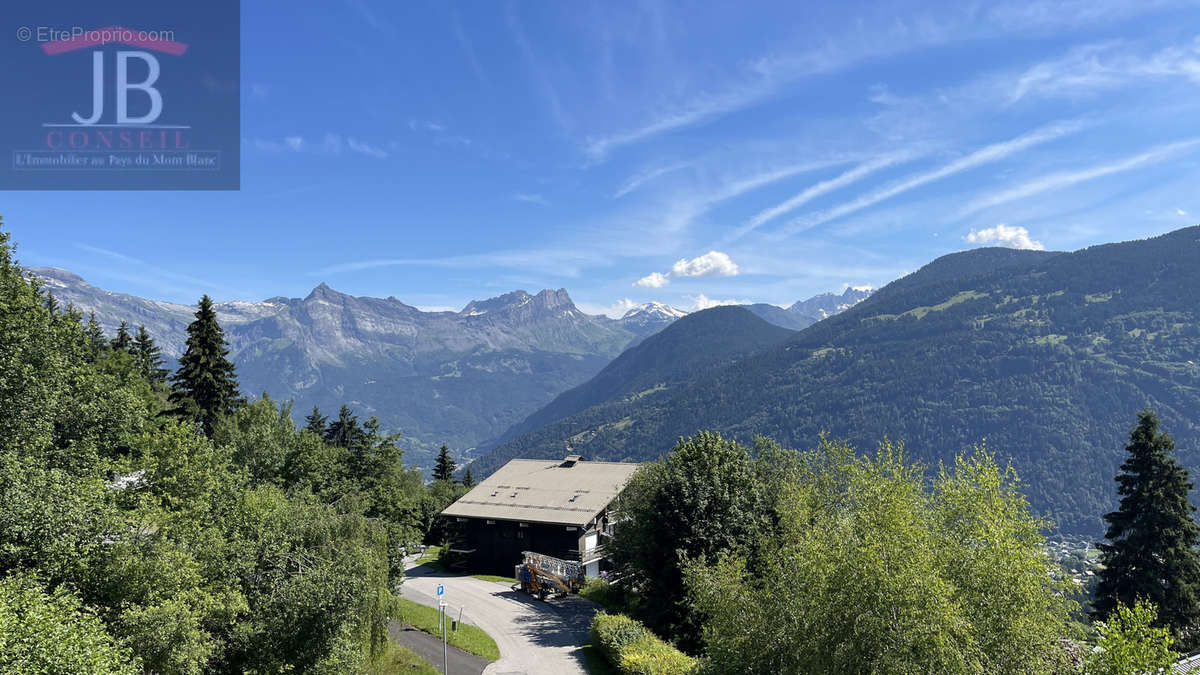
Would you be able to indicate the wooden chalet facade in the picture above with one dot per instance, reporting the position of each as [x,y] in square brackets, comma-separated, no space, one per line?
[554,507]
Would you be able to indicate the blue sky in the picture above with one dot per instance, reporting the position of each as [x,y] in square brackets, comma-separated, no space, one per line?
[687,153]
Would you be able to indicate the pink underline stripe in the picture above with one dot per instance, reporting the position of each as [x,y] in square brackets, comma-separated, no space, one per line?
[92,38]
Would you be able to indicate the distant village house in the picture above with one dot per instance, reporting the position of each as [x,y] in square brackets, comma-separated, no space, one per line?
[558,508]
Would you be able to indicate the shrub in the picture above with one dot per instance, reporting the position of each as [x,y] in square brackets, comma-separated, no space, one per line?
[651,656]
[627,644]
[612,633]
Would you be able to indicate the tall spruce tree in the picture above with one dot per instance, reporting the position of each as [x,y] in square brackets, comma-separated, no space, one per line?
[149,356]
[468,480]
[95,336]
[345,431]
[316,422]
[205,387]
[123,341]
[1151,552]
[445,466]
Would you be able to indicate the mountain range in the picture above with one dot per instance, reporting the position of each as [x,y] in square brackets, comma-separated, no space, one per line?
[459,378]
[1044,357]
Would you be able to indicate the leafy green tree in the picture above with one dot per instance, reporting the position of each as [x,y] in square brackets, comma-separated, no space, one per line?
[703,499]
[123,341]
[1151,552]
[438,495]
[1130,644]
[149,356]
[468,481]
[445,466]
[51,632]
[205,386]
[260,436]
[193,560]
[868,571]
[316,422]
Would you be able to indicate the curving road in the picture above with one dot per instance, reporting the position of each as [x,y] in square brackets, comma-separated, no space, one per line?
[534,637]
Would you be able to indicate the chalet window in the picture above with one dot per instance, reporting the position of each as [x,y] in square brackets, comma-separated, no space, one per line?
[491,522]
[524,524]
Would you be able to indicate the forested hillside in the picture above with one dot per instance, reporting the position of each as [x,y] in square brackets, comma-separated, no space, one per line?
[701,340]
[1046,356]
[153,527]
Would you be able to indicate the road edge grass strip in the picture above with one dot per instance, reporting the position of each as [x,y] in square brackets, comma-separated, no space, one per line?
[397,658]
[467,638]
[495,578]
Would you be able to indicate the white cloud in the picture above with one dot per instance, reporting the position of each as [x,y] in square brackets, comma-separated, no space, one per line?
[1180,212]
[1010,236]
[652,280]
[531,198]
[1065,179]
[986,155]
[702,301]
[294,142]
[711,264]
[614,311]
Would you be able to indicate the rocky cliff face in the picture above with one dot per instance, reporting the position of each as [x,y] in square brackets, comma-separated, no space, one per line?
[437,377]
[458,378]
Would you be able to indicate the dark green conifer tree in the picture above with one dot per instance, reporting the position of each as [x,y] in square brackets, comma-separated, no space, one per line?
[123,341]
[445,466]
[316,422]
[149,356]
[51,303]
[345,431]
[468,480]
[205,386]
[95,336]
[1151,552]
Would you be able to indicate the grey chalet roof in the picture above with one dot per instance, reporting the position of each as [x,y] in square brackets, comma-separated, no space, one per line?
[567,491]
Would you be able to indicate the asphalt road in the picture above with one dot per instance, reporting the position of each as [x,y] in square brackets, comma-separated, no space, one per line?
[429,648]
[534,637]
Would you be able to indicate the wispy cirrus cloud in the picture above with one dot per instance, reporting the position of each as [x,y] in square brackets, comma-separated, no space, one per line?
[639,179]
[682,210]
[986,155]
[813,191]
[531,198]
[329,144]
[1088,69]
[1064,179]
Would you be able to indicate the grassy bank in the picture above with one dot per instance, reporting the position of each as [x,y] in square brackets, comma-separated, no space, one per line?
[467,637]
[398,659]
[431,558]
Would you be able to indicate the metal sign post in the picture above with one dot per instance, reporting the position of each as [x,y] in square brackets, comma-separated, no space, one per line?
[441,592]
